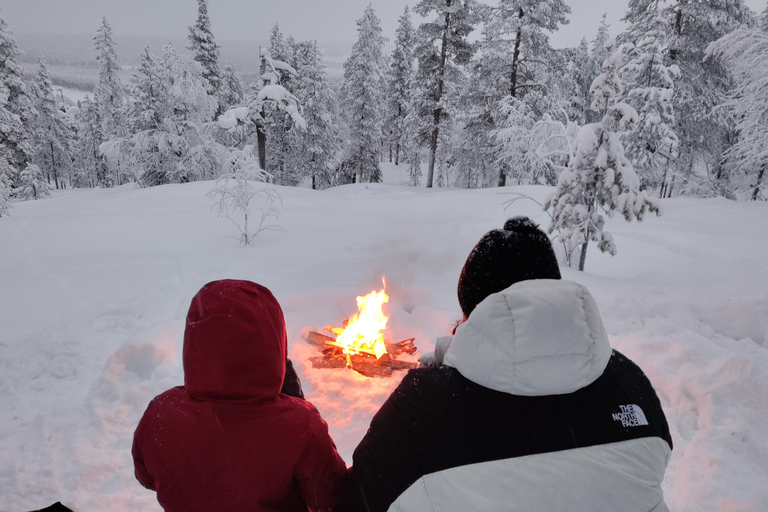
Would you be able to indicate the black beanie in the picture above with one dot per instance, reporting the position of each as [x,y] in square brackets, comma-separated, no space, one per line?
[503,257]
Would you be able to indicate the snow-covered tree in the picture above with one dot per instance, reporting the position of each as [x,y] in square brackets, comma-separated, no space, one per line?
[5,187]
[599,176]
[703,83]
[745,52]
[515,55]
[53,133]
[278,123]
[315,151]
[206,52]
[258,111]
[441,46]
[650,85]
[109,97]
[32,183]
[242,188]
[400,82]
[16,108]
[171,142]
[90,165]
[764,20]
[108,92]
[232,93]
[363,90]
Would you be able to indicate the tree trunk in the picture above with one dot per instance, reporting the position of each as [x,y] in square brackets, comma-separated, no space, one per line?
[583,256]
[261,137]
[513,86]
[397,154]
[760,176]
[516,59]
[433,147]
[438,112]
[53,164]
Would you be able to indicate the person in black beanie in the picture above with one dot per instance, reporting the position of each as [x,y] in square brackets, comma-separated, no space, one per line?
[525,407]
[504,257]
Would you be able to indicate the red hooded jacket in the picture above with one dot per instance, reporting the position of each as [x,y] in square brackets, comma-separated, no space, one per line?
[228,440]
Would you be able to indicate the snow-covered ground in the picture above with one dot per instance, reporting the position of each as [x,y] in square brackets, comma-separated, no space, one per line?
[95,284]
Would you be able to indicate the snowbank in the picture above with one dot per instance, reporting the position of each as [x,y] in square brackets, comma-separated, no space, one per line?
[96,283]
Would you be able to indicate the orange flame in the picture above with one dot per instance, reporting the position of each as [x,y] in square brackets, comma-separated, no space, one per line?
[364,332]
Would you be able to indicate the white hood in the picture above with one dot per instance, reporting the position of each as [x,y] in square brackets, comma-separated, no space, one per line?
[537,337]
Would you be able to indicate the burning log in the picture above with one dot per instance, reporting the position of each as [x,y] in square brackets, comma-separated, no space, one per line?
[364,362]
[360,343]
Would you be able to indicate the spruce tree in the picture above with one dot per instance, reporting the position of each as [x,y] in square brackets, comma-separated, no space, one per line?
[232,93]
[278,122]
[745,52]
[442,45]
[206,52]
[400,83]
[363,90]
[690,27]
[650,84]
[90,165]
[109,97]
[171,143]
[515,48]
[599,176]
[53,134]
[315,150]
[32,183]
[16,109]
[5,186]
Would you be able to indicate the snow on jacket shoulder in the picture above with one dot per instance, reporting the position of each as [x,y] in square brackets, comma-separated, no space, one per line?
[228,439]
[532,411]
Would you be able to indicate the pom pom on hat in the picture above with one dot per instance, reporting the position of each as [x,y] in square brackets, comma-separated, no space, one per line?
[503,257]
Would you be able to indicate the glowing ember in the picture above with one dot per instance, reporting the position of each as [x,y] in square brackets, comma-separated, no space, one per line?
[364,332]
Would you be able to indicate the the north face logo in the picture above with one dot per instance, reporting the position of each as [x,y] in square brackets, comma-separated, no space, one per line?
[630,416]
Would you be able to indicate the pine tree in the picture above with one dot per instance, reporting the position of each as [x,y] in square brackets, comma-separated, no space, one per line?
[764,20]
[654,144]
[206,52]
[53,135]
[400,82]
[745,51]
[16,109]
[441,46]
[315,151]
[363,89]
[599,176]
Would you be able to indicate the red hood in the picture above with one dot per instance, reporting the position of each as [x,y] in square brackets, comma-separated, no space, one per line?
[234,342]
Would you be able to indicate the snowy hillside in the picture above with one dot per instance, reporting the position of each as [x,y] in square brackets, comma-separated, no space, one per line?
[95,284]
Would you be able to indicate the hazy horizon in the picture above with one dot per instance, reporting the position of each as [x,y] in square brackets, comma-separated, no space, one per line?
[251,20]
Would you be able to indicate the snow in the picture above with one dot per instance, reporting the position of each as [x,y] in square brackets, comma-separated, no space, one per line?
[96,284]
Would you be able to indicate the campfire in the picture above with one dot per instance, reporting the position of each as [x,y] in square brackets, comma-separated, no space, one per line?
[360,344]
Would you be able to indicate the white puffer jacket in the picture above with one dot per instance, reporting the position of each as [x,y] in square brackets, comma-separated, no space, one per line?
[536,339]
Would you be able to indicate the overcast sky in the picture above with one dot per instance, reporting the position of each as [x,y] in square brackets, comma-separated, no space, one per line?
[327,21]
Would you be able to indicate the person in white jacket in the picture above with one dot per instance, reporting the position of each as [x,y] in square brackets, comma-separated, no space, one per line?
[524,408]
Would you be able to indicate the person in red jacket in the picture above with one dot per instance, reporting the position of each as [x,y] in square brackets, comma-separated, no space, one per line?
[229,440]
